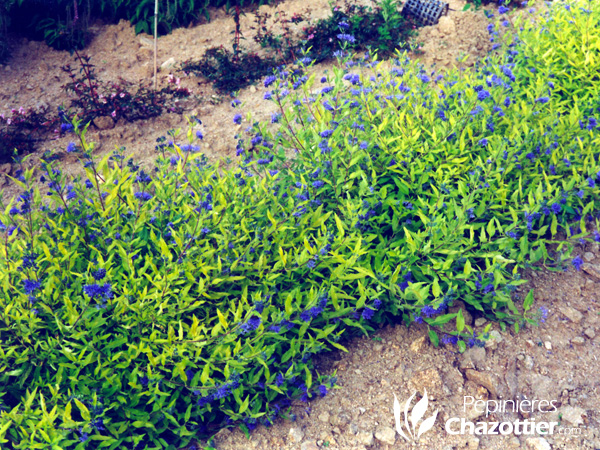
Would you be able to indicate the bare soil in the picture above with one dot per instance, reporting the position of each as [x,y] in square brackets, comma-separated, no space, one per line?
[556,361]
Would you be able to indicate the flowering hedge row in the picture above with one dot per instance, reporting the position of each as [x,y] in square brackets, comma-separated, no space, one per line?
[143,309]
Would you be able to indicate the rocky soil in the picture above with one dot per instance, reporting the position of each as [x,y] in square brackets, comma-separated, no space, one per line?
[555,361]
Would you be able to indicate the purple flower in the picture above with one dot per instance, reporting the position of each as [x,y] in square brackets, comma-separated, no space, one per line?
[71,147]
[343,25]
[237,119]
[322,390]
[542,100]
[346,38]
[503,9]
[591,182]
[367,314]
[577,263]
[270,80]
[199,135]
[305,316]
[143,196]
[30,286]
[448,339]
[483,142]
[543,314]
[96,290]
[482,95]
[99,274]
[252,324]
[235,103]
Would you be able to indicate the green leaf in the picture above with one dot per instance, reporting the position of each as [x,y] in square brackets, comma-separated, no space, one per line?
[83,411]
[460,321]
[434,338]
[528,301]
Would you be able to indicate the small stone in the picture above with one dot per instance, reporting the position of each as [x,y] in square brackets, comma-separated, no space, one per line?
[592,269]
[578,340]
[472,443]
[365,438]
[588,256]
[29,87]
[484,379]
[324,417]
[528,362]
[386,435]
[253,89]
[446,25]
[222,435]
[548,345]
[309,445]
[590,333]
[514,442]
[377,348]
[419,344]
[494,339]
[104,122]
[477,355]
[572,415]
[537,443]
[5,168]
[296,434]
[480,321]
[571,313]
[169,63]
[465,361]
[146,42]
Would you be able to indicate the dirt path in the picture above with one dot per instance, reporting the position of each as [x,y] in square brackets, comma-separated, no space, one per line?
[33,76]
[557,361]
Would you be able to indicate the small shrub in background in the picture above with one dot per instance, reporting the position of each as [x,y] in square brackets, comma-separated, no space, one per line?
[23,129]
[120,99]
[144,308]
[5,9]
[506,3]
[381,28]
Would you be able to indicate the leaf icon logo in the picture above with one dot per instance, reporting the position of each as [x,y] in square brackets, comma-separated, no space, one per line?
[412,432]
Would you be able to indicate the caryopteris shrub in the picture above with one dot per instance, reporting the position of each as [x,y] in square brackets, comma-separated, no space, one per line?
[142,309]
